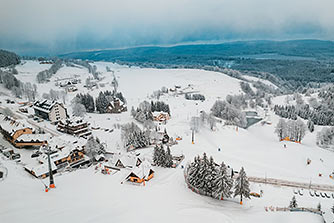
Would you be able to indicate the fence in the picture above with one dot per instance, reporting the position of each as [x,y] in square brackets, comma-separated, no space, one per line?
[322,187]
[301,209]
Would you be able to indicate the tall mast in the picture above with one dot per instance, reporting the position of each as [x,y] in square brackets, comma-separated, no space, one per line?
[52,184]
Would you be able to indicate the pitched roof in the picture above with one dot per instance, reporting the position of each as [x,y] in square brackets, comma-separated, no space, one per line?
[142,171]
[33,138]
[45,105]
[40,169]
[72,122]
[10,125]
[128,160]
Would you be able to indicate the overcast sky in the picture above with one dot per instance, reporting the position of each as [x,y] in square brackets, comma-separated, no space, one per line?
[57,26]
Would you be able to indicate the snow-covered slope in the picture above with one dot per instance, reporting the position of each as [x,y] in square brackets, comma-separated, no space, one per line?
[88,196]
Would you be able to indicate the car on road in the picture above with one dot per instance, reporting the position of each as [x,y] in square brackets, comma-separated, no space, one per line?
[36,154]
[2,148]
[16,157]
[8,152]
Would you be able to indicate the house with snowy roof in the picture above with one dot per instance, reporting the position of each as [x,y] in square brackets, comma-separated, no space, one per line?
[13,129]
[74,126]
[50,110]
[127,160]
[20,133]
[40,170]
[116,106]
[141,173]
[160,116]
[69,155]
[29,140]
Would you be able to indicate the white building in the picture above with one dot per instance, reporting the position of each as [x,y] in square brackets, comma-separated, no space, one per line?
[50,110]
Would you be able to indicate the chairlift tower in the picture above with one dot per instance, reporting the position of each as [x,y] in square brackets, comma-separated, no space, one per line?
[52,184]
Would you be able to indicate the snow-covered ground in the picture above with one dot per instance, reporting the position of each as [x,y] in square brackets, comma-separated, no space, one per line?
[88,196]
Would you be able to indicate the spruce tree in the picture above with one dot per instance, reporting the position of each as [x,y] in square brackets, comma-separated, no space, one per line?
[241,185]
[223,183]
[162,157]
[193,171]
[210,176]
[156,155]
[293,203]
[169,158]
[310,125]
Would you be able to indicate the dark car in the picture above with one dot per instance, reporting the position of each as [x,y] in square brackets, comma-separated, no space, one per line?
[36,154]
[7,154]
[16,157]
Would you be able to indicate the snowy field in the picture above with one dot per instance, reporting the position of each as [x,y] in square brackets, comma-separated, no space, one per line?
[88,196]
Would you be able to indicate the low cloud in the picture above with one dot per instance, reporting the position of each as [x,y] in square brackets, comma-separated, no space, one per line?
[52,27]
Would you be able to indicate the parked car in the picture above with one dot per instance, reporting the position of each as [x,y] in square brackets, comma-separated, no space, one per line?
[36,154]
[23,110]
[2,148]
[16,157]
[7,154]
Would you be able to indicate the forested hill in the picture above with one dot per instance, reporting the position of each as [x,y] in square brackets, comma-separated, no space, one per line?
[8,58]
[301,49]
[300,62]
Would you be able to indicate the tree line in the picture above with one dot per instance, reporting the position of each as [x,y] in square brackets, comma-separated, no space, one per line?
[216,180]
[295,130]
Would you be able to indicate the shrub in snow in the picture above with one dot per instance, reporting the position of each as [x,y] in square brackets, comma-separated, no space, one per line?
[293,203]
[93,147]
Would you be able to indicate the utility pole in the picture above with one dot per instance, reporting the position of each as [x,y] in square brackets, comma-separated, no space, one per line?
[52,184]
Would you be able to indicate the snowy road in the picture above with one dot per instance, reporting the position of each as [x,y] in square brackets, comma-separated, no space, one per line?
[286,183]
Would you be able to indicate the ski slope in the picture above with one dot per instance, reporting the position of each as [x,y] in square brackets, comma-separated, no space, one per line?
[86,195]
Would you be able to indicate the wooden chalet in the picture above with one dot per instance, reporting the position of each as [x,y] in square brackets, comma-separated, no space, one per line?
[161,116]
[141,173]
[41,170]
[116,106]
[77,127]
[121,161]
[13,129]
[28,140]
